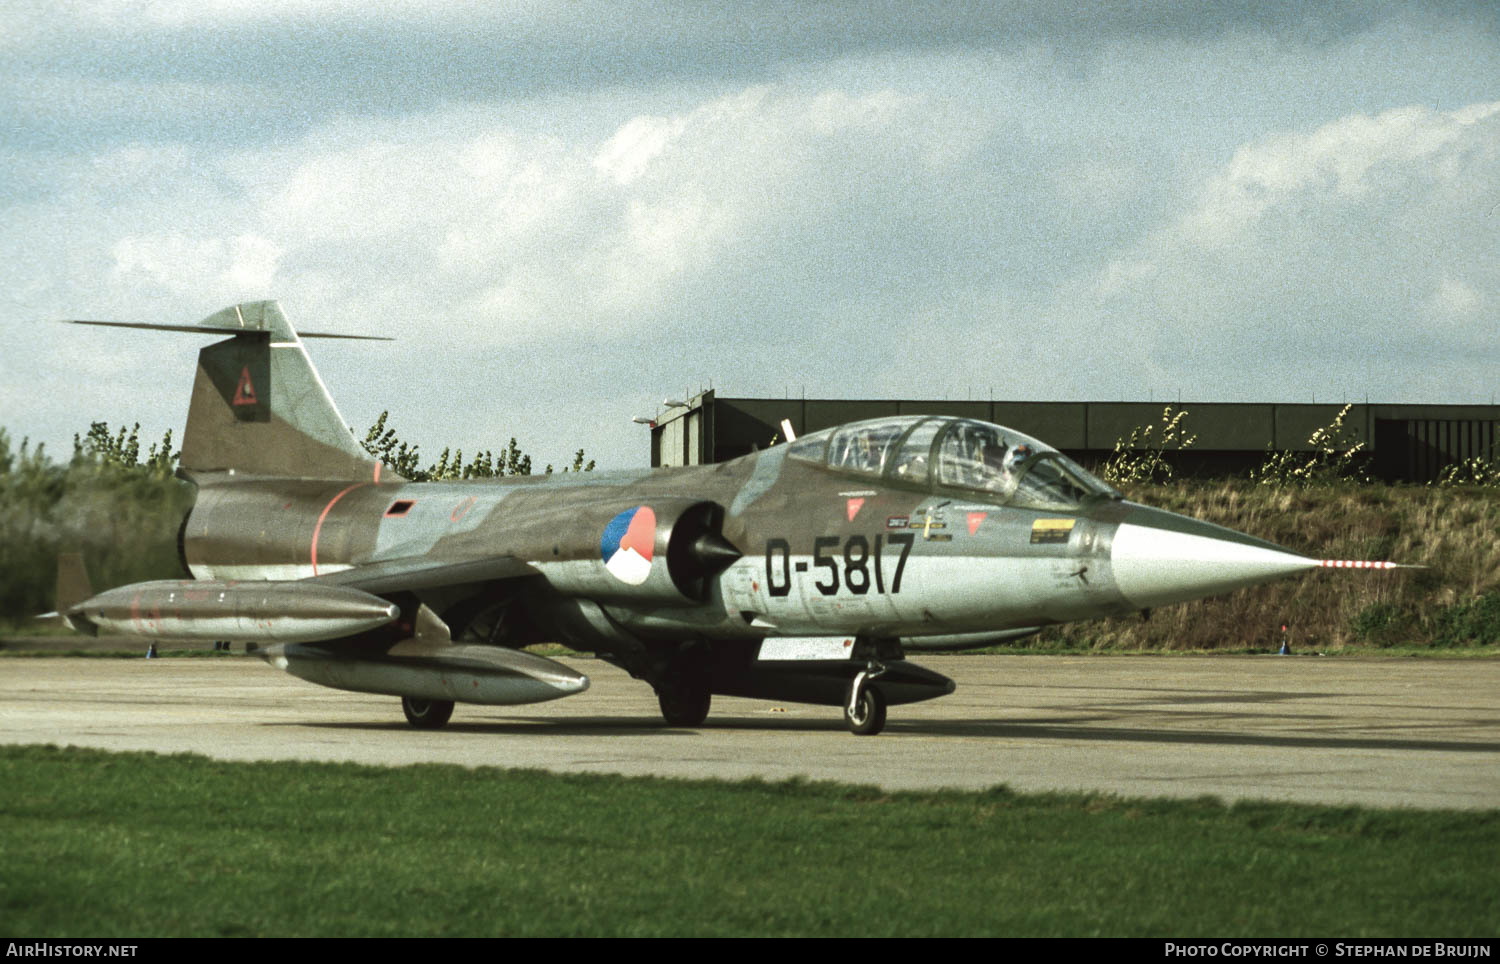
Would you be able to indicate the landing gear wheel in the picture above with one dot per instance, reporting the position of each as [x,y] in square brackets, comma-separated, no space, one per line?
[426,714]
[684,706]
[868,715]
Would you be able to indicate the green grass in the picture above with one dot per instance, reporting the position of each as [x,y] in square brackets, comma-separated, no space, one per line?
[144,845]
[1066,647]
[135,652]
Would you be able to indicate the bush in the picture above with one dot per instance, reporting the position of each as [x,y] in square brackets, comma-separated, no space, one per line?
[1140,459]
[120,511]
[1335,457]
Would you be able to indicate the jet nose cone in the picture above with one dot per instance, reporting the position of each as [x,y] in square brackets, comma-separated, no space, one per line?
[1161,558]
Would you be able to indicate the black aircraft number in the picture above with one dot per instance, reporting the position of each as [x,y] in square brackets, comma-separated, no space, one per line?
[861,564]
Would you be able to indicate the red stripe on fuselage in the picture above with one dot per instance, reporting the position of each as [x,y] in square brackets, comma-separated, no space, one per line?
[317,529]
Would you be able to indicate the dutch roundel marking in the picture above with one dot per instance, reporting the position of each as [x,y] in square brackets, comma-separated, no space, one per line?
[628,543]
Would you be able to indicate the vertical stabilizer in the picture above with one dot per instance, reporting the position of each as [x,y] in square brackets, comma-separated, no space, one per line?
[260,409]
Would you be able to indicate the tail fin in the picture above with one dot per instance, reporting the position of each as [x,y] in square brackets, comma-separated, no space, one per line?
[258,406]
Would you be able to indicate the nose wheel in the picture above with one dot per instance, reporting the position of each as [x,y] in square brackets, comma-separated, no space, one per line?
[864,710]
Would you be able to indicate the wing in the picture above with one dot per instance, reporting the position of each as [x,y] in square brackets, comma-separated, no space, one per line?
[417,573]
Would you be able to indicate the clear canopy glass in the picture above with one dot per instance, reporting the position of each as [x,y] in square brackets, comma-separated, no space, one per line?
[946,453]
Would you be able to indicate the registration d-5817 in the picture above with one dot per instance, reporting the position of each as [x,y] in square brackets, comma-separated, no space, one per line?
[861,563]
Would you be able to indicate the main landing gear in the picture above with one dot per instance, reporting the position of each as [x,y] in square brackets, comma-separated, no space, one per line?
[426,714]
[684,705]
[864,709]
[682,686]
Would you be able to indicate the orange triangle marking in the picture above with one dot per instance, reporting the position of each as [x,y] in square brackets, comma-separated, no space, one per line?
[975,518]
[244,392]
[854,505]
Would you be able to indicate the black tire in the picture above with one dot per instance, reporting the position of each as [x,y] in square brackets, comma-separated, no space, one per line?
[868,717]
[426,714]
[684,705]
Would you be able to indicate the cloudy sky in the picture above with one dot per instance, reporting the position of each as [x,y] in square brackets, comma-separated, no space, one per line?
[566,211]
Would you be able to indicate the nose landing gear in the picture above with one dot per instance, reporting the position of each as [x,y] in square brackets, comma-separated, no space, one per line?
[864,710]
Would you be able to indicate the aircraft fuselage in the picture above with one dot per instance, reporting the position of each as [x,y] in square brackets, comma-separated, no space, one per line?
[802,572]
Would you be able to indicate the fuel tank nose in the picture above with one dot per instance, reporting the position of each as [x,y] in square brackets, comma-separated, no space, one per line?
[1159,558]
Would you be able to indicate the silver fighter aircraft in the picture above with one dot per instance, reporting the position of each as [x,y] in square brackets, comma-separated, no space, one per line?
[805,572]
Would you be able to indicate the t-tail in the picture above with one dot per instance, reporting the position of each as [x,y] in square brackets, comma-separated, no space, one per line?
[259,408]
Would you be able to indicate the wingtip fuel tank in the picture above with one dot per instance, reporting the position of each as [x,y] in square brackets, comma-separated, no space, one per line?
[213,610]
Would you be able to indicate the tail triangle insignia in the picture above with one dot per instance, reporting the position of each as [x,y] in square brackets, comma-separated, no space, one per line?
[244,392]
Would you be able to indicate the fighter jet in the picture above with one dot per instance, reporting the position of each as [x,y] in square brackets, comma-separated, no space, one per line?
[806,572]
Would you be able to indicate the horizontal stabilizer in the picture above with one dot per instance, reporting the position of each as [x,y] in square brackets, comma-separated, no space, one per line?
[234,320]
[205,329]
[258,407]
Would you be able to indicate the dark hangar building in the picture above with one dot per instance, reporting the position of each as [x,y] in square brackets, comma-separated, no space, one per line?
[1403,443]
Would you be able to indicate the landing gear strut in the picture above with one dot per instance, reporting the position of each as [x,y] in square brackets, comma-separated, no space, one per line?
[426,714]
[864,710]
[684,704]
[683,690]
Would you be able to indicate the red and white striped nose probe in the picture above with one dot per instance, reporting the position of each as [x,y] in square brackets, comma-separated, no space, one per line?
[1362,564]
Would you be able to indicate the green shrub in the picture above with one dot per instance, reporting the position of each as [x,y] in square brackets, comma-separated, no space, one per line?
[1141,458]
[1473,622]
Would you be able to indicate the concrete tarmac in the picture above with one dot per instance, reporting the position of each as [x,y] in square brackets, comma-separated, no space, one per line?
[1376,732]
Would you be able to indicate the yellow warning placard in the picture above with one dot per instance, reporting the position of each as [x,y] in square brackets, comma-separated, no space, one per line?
[1051,530]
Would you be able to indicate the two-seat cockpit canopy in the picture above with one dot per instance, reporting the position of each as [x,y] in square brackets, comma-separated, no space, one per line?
[942,453]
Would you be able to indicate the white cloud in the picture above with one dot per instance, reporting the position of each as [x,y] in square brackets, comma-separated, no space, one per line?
[1355,255]
[174,14]
[625,156]
[1121,274]
[531,234]
[534,199]
[240,268]
[1454,300]
[1341,162]
[379,190]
